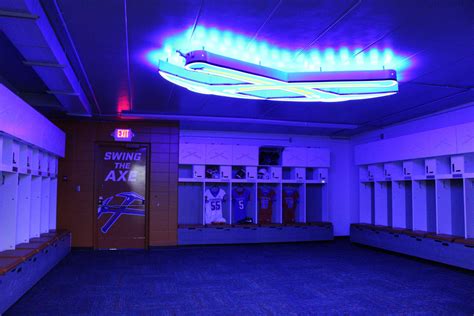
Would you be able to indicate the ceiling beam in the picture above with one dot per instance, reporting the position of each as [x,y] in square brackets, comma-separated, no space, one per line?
[18,15]
[240,120]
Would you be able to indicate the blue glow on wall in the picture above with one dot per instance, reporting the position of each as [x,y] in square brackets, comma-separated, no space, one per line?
[246,49]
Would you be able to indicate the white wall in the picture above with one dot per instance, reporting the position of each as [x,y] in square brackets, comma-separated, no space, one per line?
[341,174]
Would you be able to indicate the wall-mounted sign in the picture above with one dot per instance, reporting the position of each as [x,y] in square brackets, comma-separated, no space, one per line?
[122,134]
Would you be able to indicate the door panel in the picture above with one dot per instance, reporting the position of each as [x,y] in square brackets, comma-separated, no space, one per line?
[121,185]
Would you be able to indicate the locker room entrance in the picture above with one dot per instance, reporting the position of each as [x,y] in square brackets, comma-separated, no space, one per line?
[121,183]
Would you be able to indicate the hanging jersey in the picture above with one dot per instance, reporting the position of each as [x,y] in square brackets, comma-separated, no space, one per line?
[266,197]
[290,202]
[213,207]
[240,199]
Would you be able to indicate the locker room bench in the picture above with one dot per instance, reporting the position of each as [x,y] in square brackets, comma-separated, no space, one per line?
[448,249]
[254,233]
[22,267]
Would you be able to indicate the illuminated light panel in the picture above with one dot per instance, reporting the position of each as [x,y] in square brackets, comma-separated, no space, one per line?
[208,73]
[247,49]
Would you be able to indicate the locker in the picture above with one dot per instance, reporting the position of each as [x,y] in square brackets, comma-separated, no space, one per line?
[376,172]
[294,157]
[437,166]
[275,173]
[457,164]
[199,171]
[218,154]
[15,156]
[300,173]
[191,153]
[413,168]
[317,157]
[364,174]
[393,170]
[226,172]
[6,154]
[244,155]
[322,174]
[251,173]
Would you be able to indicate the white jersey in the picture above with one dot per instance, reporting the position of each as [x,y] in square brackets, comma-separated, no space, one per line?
[213,207]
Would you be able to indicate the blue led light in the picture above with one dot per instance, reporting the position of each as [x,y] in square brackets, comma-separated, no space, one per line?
[208,73]
[246,49]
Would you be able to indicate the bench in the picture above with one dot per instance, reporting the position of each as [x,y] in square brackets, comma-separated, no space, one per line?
[448,249]
[22,267]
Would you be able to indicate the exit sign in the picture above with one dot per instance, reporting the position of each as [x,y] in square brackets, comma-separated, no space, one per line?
[123,134]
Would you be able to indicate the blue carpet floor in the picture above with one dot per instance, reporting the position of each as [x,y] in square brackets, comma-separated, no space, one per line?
[280,279]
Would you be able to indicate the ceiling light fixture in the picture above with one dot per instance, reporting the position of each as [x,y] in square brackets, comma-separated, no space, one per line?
[209,73]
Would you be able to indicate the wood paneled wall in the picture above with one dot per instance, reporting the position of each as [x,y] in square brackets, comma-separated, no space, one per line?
[76,207]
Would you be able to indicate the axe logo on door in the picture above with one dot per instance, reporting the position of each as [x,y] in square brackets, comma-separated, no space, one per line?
[121,178]
[131,203]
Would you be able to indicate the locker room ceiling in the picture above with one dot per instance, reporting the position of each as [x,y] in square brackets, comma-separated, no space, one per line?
[105,42]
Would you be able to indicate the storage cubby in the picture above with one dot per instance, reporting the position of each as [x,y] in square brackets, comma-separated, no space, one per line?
[269,203]
[225,172]
[424,205]
[239,173]
[316,203]
[293,203]
[413,168]
[437,166]
[393,170]
[53,166]
[383,203]
[212,172]
[293,173]
[469,207]
[243,202]
[34,162]
[8,209]
[15,156]
[185,171]
[376,172]
[364,175]
[317,175]
[23,159]
[23,209]
[402,204]
[35,210]
[245,174]
[468,160]
[450,207]
[366,202]
[217,197]
[6,154]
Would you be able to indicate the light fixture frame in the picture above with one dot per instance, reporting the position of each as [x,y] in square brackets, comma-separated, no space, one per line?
[209,73]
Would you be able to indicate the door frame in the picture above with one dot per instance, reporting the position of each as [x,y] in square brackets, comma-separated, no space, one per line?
[97,146]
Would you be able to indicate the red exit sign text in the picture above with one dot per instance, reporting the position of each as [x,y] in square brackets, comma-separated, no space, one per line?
[123,134]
